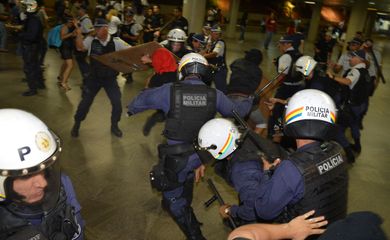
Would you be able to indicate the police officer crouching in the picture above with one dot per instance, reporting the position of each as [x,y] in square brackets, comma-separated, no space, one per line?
[314,177]
[100,75]
[188,104]
[37,201]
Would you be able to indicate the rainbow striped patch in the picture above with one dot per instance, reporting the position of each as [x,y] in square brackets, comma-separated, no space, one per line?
[332,117]
[293,114]
[225,147]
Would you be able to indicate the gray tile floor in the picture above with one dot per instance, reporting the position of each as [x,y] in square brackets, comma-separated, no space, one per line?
[110,175]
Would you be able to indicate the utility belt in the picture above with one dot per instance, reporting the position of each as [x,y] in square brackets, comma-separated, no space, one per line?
[300,83]
[172,160]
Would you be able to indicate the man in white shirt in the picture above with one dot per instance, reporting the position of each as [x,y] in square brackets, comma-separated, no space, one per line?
[357,79]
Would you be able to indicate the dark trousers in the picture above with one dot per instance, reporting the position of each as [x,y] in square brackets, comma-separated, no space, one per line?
[31,67]
[90,90]
[42,52]
[178,201]
[81,59]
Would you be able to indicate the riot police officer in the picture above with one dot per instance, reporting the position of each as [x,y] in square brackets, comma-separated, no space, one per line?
[240,164]
[100,75]
[31,40]
[176,42]
[316,78]
[188,104]
[312,177]
[37,201]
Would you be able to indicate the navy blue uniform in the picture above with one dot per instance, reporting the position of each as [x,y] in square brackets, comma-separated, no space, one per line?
[246,178]
[179,199]
[31,39]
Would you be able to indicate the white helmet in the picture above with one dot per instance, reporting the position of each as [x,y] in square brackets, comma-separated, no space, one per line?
[31,6]
[219,136]
[193,63]
[310,114]
[177,35]
[27,146]
[305,65]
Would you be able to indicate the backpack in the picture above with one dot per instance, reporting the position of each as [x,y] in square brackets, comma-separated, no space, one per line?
[54,37]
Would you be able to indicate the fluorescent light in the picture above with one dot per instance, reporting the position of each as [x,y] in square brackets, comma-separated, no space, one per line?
[382,13]
[310,2]
[371,3]
[372,9]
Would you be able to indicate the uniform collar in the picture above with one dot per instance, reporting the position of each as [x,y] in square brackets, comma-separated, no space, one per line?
[104,43]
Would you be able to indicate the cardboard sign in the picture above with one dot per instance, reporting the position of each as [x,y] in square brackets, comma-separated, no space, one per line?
[128,60]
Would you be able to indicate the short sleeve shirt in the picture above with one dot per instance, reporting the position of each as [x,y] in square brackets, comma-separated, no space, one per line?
[119,43]
[354,74]
[219,48]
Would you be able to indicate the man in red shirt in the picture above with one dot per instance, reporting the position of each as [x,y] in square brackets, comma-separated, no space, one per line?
[270,28]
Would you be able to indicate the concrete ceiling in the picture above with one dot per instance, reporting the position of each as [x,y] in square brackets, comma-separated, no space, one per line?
[381,5]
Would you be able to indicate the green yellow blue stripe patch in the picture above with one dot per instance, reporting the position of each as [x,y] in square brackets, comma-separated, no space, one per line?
[293,114]
[226,146]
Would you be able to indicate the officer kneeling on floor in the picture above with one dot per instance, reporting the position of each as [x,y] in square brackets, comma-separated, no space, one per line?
[37,201]
[312,177]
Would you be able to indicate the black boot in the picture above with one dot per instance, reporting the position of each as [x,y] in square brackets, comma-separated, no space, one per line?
[189,224]
[30,92]
[115,130]
[349,154]
[75,129]
[357,147]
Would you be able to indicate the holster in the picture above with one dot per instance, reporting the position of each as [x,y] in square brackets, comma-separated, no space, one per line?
[172,159]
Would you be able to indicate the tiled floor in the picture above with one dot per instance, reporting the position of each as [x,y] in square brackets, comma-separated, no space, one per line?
[110,175]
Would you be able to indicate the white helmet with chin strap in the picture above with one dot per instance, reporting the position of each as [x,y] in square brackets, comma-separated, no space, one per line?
[30,6]
[27,146]
[305,65]
[219,137]
[310,114]
[193,63]
[177,35]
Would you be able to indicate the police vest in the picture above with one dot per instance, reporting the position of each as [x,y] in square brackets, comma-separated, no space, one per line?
[291,77]
[191,107]
[59,223]
[99,70]
[326,182]
[126,28]
[221,60]
[361,91]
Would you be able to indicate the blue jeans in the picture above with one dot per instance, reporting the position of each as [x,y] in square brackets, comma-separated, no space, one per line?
[3,35]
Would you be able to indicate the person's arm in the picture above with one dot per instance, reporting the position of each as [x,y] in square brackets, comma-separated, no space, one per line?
[298,228]
[151,98]
[285,186]
[344,80]
[64,33]
[225,106]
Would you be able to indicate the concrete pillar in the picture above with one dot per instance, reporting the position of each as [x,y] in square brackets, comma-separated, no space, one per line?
[233,13]
[314,22]
[357,18]
[370,24]
[194,11]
